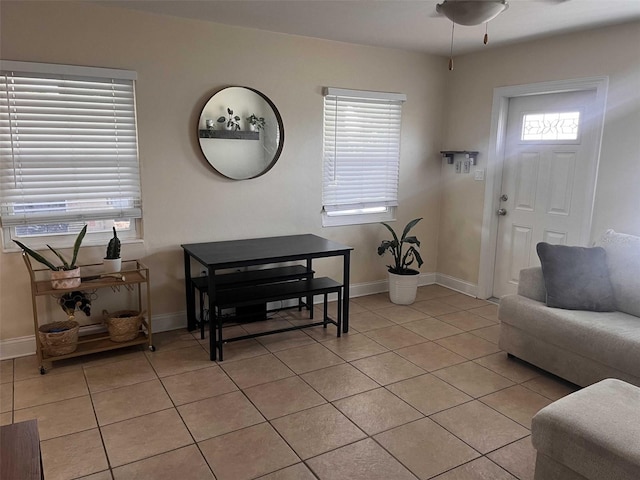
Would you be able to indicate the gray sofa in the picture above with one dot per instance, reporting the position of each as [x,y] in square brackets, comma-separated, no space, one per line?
[582,347]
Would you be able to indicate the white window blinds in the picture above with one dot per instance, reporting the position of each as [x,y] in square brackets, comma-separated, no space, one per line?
[361,149]
[68,144]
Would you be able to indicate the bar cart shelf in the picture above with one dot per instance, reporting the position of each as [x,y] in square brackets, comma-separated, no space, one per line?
[134,277]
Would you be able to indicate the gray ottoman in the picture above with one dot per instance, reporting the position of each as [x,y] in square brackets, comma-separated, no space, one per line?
[592,434]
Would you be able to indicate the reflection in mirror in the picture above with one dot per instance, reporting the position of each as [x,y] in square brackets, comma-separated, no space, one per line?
[231,144]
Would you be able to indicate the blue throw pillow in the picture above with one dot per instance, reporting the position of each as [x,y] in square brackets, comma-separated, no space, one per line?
[576,278]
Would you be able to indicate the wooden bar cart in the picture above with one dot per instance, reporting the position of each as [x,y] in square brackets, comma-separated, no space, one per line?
[132,278]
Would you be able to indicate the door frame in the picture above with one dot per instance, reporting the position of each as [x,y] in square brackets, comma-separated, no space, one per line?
[495,163]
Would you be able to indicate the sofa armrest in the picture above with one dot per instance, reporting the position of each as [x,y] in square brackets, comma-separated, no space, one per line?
[531,284]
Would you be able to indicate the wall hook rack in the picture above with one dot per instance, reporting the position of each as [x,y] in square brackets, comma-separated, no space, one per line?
[450,154]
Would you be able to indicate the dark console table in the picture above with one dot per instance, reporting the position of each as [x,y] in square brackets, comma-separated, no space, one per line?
[216,256]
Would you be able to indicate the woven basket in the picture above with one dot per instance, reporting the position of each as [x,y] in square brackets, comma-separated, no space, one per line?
[123,325]
[56,342]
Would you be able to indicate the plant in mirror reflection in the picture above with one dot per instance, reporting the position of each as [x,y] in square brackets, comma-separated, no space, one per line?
[256,123]
[231,123]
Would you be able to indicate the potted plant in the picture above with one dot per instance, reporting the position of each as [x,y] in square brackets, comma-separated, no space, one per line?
[403,281]
[112,261]
[67,275]
[231,123]
[256,123]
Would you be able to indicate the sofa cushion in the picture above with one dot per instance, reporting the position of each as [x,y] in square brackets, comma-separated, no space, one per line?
[576,278]
[611,338]
[623,261]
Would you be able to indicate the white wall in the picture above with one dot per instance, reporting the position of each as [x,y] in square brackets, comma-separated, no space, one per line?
[180,63]
[612,52]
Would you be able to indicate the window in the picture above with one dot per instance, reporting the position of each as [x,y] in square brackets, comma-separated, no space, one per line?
[361,156]
[550,126]
[68,151]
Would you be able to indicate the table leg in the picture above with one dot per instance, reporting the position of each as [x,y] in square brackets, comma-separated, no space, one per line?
[213,318]
[310,299]
[345,287]
[189,292]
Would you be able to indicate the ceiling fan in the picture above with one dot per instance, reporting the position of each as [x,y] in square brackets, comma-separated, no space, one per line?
[473,12]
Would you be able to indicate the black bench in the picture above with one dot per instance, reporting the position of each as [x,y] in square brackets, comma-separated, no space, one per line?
[248,278]
[257,294]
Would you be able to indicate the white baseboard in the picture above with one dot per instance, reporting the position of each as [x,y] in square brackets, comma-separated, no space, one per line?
[23,346]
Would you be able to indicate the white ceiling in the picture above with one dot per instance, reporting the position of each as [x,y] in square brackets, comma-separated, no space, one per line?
[405,24]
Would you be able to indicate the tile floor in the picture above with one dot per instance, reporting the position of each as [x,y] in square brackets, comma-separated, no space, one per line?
[419,391]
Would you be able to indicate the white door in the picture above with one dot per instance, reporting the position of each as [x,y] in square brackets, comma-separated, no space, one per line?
[547,194]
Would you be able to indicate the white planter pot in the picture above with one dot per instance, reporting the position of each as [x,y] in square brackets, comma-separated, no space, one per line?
[403,288]
[65,278]
[112,265]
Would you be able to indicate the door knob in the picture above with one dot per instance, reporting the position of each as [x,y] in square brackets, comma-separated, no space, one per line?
[502,211]
[504,197]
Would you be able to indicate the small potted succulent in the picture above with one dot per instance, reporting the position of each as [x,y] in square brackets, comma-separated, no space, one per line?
[112,261]
[403,281]
[231,123]
[256,123]
[68,274]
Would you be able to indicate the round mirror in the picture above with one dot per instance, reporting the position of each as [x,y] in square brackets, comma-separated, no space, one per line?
[241,133]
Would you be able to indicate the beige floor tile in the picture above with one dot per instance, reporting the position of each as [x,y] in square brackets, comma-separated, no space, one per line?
[430,356]
[317,430]
[172,362]
[395,337]
[480,426]
[184,463]
[332,309]
[28,367]
[479,469]
[282,341]
[512,368]
[60,418]
[364,460]
[173,339]
[119,374]
[465,302]
[366,321]
[73,456]
[401,314]
[6,371]
[6,418]
[198,385]
[126,354]
[465,320]
[469,346]
[432,328]
[387,368]
[488,311]
[299,471]
[247,453]
[6,397]
[373,302]
[254,371]
[273,323]
[551,387]
[131,401]
[219,415]
[434,308]
[428,394]
[377,410]
[519,458]
[431,292]
[353,347]
[320,334]
[241,350]
[308,358]
[491,334]
[282,397]
[518,403]
[142,437]
[339,381]
[426,448]
[49,388]
[473,379]
[106,475]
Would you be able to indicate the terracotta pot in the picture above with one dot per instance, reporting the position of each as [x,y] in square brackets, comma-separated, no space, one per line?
[65,278]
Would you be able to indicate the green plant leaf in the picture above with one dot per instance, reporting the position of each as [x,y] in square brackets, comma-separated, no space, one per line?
[76,246]
[65,265]
[36,256]
[417,256]
[412,240]
[409,226]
